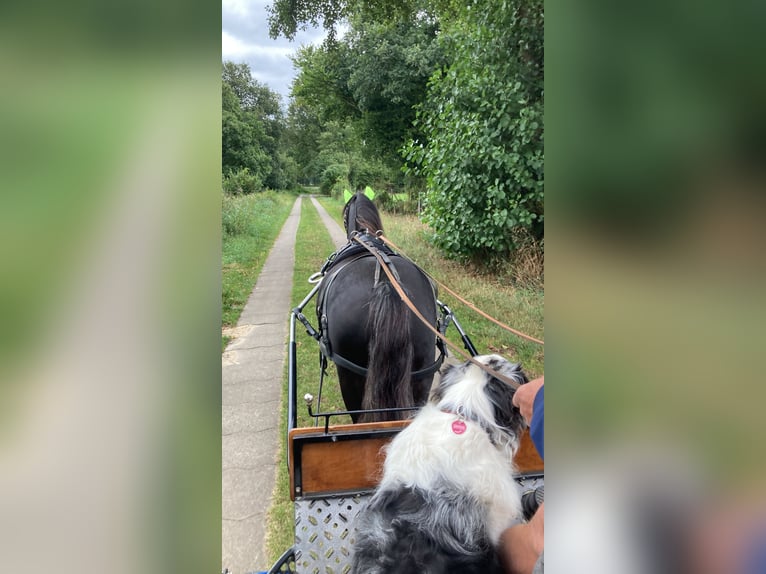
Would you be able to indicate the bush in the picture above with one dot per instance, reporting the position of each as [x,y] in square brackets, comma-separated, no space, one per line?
[483,158]
[332,176]
[235,216]
[242,182]
[286,175]
[374,173]
[396,202]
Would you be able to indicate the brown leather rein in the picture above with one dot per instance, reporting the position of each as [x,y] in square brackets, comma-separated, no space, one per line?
[467,303]
[398,288]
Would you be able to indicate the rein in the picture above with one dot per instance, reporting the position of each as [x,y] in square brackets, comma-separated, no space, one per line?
[355,236]
[391,244]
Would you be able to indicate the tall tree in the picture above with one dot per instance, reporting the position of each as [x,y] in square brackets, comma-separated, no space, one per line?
[252,125]
[371,81]
[482,153]
[391,64]
[302,132]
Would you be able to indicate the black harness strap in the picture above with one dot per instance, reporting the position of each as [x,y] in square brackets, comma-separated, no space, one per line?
[359,370]
[347,254]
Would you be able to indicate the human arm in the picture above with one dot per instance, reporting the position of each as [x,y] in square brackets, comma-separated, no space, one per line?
[524,398]
[522,544]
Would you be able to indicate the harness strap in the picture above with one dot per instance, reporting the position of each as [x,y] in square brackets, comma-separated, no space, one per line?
[382,260]
[341,361]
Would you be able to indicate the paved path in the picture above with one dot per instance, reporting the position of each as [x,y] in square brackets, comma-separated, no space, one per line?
[252,372]
[336,232]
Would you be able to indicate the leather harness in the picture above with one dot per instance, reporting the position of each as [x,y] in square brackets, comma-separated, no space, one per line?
[331,269]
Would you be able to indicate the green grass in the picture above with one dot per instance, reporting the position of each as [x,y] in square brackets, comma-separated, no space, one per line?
[250,225]
[313,245]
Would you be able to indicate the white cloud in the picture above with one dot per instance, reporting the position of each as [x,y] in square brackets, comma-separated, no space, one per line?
[239,7]
[245,39]
[235,49]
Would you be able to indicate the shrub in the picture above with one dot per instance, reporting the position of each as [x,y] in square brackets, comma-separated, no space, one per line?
[235,216]
[374,173]
[286,175]
[332,176]
[396,202]
[483,154]
[242,182]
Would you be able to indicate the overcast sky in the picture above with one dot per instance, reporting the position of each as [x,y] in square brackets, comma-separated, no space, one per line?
[245,39]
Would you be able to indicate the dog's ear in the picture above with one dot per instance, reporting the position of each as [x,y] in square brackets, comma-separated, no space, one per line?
[500,395]
[447,376]
[510,370]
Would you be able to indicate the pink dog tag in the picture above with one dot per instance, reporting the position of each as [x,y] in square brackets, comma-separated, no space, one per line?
[458,427]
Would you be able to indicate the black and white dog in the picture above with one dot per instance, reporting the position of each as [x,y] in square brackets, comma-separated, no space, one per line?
[447,491]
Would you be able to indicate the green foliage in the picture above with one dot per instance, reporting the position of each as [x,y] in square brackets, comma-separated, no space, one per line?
[286,17]
[453,89]
[241,182]
[301,134]
[286,176]
[396,202]
[322,82]
[354,99]
[371,172]
[251,129]
[332,176]
[483,151]
[391,62]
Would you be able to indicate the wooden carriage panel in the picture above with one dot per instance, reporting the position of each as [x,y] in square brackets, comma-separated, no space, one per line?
[349,458]
[346,459]
[527,459]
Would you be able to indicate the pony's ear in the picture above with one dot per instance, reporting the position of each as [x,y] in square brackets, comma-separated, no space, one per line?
[346,209]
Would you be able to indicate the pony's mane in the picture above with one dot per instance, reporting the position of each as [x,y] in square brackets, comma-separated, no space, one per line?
[367,216]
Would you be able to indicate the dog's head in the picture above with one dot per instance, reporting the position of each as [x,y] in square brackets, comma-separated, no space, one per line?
[473,392]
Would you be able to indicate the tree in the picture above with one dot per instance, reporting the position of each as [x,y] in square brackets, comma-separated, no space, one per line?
[252,126]
[482,154]
[370,81]
[302,131]
[391,64]
[286,17]
[473,132]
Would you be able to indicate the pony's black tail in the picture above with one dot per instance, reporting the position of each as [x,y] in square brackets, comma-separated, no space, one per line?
[390,355]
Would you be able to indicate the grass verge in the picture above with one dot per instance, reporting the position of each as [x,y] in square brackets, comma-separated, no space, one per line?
[249,225]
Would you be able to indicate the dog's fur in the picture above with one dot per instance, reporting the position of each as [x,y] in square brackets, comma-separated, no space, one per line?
[445,498]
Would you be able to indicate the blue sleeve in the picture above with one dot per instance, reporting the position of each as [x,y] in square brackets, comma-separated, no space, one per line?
[755,560]
[537,428]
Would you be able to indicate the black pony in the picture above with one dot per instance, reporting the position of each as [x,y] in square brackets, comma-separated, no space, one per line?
[383,353]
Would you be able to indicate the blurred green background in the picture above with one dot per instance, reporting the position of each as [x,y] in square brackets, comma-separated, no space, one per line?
[110,290]
[654,162]
[110,254]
